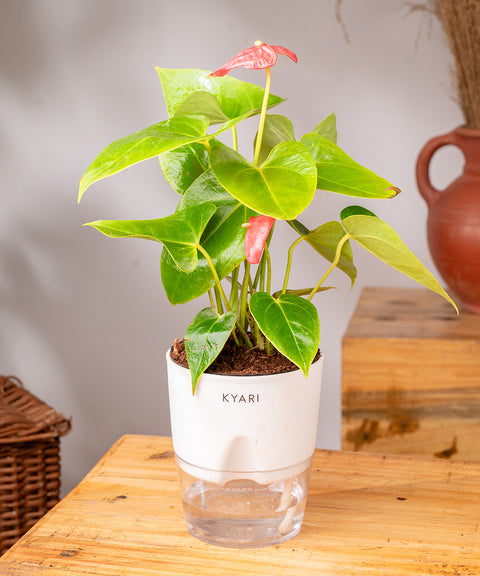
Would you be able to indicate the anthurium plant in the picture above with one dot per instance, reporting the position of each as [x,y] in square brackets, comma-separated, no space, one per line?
[219,239]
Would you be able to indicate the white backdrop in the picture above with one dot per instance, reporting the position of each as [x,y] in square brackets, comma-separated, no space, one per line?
[83,319]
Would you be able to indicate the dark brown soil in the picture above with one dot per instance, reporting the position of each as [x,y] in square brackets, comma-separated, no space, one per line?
[235,359]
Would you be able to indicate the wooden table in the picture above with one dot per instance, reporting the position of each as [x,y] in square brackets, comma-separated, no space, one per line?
[366,514]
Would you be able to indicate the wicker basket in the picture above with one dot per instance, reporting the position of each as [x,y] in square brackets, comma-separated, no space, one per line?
[29,459]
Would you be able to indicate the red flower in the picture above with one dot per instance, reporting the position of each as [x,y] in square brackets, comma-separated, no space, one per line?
[258,229]
[255,58]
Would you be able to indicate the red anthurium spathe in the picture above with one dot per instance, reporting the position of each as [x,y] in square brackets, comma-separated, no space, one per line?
[255,58]
[258,229]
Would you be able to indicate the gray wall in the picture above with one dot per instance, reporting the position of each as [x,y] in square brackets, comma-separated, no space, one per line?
[83,319]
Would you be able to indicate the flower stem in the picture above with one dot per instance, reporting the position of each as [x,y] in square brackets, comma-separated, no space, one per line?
[338,252]
[258,143]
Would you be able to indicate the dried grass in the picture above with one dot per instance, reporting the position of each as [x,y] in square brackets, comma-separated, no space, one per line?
[461,22]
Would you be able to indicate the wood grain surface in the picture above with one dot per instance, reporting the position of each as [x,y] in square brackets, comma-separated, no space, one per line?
[411,376]
[366,514]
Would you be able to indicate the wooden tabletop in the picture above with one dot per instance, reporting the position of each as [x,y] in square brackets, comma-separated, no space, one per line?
[366,514]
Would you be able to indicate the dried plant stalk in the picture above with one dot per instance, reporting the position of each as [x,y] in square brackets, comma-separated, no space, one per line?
[461,21]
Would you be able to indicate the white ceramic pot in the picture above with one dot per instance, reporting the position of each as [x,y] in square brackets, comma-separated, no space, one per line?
[244,423]
[242,441]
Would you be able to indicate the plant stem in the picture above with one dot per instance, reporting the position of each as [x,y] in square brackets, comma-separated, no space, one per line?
[268,260]
[218,284]
[289,263]
[212,301]
[261,284]
[207,144]
[256,280]
[233,301]
[298,227]
[221,296]
[298,291]
[235,337]
[218,298]
[234,138]
[244,296]
[257,336]
[244,335]
[338,252]
[263,113]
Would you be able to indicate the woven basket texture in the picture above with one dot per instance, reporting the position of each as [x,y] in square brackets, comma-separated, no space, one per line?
[30,434]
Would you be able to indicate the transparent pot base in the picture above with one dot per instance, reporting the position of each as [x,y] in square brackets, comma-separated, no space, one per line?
[244,510]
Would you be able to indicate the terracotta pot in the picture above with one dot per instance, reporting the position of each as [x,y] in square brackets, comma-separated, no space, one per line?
[453,224]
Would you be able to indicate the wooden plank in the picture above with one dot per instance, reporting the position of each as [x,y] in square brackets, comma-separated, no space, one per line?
[411,376]
[366,514]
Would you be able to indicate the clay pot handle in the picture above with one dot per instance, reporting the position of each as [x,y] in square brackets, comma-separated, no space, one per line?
[429,192]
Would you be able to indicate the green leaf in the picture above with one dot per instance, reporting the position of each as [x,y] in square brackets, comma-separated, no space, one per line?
[202,103]
[204,340]
[337,172]
[184,165]
[142,145]
[327,128]
[325,239]
[290,323]
[235,98]
[382,241]
[277,129]
[282,187]
[223,239]
[180,232]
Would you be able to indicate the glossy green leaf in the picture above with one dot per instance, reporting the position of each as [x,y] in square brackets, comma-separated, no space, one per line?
[223,239]
[202,103]
[290,323]
[327,128]
[325,239]
[337,172]
[381,240]
[282,187]
[236,99]
[142,145]
[277,129]
[180,232]
[182,166]
[204,340]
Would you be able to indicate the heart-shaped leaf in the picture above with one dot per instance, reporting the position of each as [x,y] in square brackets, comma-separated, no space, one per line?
[204,340]
[382,241]
[282,187]
[277,129]
[180,232]
[142,145]
[182,166]
[327,128]
[325,239]
[337,172]
[223,239]
[290,323]
[235,98]
[202,103]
